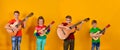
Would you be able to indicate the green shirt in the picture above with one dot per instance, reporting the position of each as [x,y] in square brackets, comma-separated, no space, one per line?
[94,30]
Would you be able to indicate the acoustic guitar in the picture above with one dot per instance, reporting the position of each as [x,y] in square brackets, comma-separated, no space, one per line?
[64,33]
[42,32]
[97,34]
[17,24]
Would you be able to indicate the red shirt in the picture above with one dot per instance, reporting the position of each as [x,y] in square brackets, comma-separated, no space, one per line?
[71,36]
[19,33]
[39,27]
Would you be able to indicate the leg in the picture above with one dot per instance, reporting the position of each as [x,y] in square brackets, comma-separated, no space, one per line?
[13,43]
[72,44]
[98,46]
[18,43]
[38,42]
[43,43]
[66,44]
[93,46]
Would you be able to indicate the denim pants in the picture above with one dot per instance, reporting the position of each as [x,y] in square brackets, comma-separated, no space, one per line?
[97,45]
[16,43]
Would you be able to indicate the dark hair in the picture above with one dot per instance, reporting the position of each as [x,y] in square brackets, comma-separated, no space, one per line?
[94,21]
[40,17]
[16,12]
[68,16]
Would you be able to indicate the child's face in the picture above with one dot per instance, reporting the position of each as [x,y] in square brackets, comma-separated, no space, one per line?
[94,24]
[16,15]
[40,21]
[68,20]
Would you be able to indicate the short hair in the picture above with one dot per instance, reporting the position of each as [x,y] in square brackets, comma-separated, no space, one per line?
[40,17]
[94,21]
[68,16]
[16,12]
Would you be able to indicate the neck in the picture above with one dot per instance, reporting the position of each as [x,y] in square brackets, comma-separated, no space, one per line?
[94,27]
[16,19]
[68,22]
[40,24]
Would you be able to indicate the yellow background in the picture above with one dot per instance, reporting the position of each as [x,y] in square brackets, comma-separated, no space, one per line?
[104,11]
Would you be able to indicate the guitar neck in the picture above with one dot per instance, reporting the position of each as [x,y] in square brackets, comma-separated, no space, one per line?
[102,32]
[21,22]
[47,27]
[75,25]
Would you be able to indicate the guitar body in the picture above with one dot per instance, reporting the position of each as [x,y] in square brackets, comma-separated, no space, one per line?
[64,33]
[99,33]
[44,30]
[13,31]
[16,26]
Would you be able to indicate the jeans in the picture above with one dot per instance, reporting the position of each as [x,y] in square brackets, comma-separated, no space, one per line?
[16,43]
[40,44]
[67,43]
[97,45]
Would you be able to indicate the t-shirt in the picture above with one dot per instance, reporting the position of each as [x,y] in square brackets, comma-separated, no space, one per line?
[71,36]
[19,33]
[36,33]
[94,30]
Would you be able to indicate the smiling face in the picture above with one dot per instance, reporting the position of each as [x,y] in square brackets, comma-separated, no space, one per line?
[94,23]
[41,22]
[68,19]
[16,15]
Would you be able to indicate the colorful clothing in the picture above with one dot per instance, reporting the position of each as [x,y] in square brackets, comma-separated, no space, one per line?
[95,43]
[41,40]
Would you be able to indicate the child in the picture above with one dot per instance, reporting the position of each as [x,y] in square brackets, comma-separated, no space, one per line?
[40,34]
[93,30]
[16,40]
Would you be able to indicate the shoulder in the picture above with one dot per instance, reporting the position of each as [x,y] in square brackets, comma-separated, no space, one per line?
[11,21]
[91,29]
[64,23]
[44,25]
[36,26]
[98,28]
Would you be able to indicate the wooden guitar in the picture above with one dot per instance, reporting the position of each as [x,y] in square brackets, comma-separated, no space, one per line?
[42,32]
[97,34]
[13,31]
[64,33]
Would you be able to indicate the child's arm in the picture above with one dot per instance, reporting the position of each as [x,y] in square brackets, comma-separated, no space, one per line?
[47,31]
[36,33]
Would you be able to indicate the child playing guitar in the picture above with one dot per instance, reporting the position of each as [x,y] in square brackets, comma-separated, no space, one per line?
[14,27]
[96,33]
[69,41]
[40,32]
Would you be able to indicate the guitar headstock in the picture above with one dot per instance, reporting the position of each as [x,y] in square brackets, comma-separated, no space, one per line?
[86,19]
[31,14]
[52,22]
[107,26]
